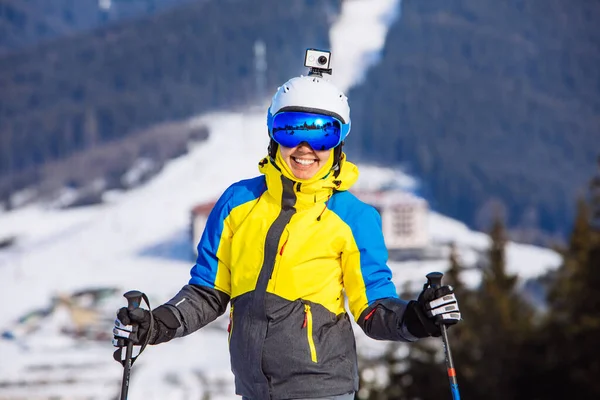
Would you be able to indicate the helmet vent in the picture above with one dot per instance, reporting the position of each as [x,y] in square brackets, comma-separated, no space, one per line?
[286,89]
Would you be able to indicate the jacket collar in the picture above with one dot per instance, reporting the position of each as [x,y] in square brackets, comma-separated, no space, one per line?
[311,192]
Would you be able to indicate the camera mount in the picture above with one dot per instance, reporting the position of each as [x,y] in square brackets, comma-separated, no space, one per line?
[314,71]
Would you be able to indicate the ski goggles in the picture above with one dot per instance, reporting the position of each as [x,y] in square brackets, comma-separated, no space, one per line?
[321,132]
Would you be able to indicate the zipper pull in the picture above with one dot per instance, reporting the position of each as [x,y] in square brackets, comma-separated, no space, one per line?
[230,319]
[306,308]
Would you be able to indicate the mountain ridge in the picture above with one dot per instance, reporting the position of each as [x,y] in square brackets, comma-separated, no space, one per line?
[491,106]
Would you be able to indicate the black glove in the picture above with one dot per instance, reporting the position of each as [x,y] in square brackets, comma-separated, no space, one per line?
[138,327]
[433,307]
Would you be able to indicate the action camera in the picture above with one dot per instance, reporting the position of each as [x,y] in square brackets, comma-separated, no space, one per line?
[318,61]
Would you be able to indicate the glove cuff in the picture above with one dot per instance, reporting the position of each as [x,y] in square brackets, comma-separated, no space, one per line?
[417,322]
[412,321]
[165,325]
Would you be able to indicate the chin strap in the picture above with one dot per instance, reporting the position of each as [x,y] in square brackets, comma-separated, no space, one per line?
[272,149]
[337,158]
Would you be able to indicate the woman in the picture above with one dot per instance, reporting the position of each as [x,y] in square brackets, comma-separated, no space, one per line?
[283,248]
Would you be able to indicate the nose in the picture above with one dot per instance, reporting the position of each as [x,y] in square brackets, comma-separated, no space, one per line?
[305,146]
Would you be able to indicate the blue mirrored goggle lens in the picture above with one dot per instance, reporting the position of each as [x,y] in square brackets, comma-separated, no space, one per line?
[321,132]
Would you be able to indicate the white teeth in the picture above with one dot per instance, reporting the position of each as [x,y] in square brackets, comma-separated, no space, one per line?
[304,162]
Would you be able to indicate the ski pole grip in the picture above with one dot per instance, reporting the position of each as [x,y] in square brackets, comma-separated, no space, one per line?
[134,298]
[434,279]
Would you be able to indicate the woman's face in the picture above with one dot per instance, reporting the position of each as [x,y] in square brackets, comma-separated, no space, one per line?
[303,160]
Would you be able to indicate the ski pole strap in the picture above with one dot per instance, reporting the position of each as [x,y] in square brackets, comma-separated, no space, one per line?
[150,331]
[149,335]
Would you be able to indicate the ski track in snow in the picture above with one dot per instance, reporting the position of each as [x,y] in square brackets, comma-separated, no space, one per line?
[110,245]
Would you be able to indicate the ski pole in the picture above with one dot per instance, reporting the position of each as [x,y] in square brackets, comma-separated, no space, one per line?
[133,301]
[435,281]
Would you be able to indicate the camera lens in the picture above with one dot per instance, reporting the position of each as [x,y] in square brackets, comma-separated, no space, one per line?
[322,60]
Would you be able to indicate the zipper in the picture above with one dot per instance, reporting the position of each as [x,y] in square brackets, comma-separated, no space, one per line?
[282,248]
[230,326]
[308,324]
[275,271]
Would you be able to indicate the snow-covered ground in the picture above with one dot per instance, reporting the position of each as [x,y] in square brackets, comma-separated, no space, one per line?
[139,240]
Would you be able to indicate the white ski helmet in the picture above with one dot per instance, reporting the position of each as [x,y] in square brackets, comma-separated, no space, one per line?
[314,94]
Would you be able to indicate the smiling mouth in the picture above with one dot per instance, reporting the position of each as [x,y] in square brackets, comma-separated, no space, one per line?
[303,161]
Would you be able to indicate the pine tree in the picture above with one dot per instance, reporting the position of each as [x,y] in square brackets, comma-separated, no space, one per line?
[580,304]
[453,275]
[497,286]
[568,342]
[575,257]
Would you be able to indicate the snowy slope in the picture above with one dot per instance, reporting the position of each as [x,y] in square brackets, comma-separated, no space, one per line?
[139,240]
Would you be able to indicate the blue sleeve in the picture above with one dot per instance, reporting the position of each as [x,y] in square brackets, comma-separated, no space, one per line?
[213,262]
[369,239]
[204,272]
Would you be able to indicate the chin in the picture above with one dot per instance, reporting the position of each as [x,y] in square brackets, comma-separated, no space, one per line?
[304,174]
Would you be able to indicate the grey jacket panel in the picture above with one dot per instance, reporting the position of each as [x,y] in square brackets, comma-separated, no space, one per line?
[383,320]
[246,336]
[195,306]
[285,354]
[288,362]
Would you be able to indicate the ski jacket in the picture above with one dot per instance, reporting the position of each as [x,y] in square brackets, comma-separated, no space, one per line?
[283,253]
